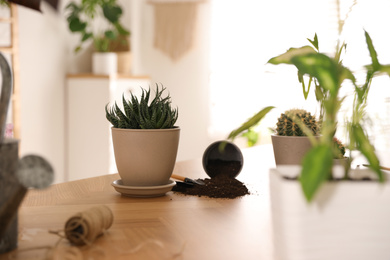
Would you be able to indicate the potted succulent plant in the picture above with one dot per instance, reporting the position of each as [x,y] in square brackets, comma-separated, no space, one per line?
[145,138]
[329,74]
[290,142]
[318,215]
[82,18]
[324,209]
[292,136]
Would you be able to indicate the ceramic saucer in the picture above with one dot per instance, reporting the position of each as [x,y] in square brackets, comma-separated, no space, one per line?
[142,191]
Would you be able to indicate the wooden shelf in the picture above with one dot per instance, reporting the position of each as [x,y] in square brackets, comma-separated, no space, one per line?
[7,20]
[7,49]
[13,49]
[112,76]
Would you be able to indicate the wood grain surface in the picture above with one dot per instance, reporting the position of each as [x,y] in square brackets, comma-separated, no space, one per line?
[173,226]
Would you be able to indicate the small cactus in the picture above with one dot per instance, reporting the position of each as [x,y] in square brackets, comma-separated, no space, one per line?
[287,127]
[339,148]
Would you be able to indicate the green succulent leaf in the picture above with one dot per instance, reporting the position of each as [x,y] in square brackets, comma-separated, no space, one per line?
[162,118]
[126,106]
[111,117]
[142,113]
[167,121]
[316,169]
[124,120]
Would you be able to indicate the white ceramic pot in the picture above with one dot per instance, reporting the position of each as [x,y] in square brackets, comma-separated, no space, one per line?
[104,63]
[340,166]
[346,220]
[145,157]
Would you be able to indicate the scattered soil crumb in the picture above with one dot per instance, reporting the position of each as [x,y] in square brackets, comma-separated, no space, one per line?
[220,186]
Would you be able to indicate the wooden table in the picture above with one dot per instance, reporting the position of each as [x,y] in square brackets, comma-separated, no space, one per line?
[174,226]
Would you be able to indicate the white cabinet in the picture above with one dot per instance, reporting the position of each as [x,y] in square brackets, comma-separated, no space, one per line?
[89,149]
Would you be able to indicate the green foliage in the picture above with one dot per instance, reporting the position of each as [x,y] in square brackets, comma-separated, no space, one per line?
[287,123]
[143,113]
[4,3]
[363,144]
[328,74]
[316,168]
[80,18]
[251,137]
[254,120]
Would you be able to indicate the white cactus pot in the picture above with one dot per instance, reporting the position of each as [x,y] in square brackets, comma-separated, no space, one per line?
[346,219]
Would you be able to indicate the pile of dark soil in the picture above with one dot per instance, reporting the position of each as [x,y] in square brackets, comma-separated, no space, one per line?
[220,186]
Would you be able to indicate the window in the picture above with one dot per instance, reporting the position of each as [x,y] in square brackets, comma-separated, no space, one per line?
[245,34]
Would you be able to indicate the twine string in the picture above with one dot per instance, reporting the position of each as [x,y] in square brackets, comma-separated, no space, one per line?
[84,228]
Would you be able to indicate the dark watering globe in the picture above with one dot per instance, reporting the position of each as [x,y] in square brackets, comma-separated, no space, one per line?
[16,176]
[222,157]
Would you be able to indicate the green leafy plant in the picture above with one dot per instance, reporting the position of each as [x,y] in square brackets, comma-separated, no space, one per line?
[246,129]
[80,17]
[143,113]
[254,120]
[251,136]
[329,75]
[4,3]
[289,123]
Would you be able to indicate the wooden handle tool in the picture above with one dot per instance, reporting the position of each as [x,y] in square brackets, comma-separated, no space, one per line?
[382,167]
[187,180]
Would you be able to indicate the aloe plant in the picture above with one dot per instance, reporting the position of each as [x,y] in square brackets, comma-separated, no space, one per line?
[143,113]
[329,74]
